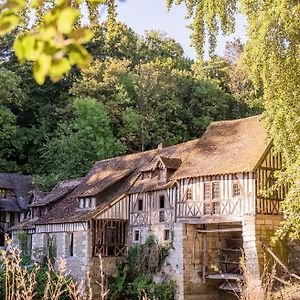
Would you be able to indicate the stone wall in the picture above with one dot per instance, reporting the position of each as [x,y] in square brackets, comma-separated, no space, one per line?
[76,264]
[257,230]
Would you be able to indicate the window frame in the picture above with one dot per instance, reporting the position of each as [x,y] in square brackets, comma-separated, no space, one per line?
[136,233]
[140,204]
[167,235]
[189,194]
[162,199]
[234,185]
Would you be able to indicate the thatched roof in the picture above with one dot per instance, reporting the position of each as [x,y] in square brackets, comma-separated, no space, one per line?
[227,147]
[21,186]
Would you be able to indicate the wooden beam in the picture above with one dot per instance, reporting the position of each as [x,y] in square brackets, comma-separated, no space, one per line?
[235,229]
[279,261]
[226,276]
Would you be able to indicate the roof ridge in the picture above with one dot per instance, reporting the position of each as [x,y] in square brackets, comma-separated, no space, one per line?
[234,120]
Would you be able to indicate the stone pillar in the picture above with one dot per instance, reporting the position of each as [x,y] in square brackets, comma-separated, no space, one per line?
[175,260]
[38,246]
[252,263]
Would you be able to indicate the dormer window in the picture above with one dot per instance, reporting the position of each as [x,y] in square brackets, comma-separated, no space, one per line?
[81,202]
[87,202]
[3,193]
[146,175]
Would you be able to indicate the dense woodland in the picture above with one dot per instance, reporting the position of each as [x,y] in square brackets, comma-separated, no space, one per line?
[138,91]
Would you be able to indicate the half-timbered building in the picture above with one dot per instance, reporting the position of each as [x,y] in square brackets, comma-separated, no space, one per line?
[14,200]
[207,197]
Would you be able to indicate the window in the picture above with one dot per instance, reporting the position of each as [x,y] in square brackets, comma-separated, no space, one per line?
[11,217]
[146,175]
[136,236]
[140,204]
[109,237]
[70,244]
[216,208]
[236,190]
[87,202]
[161,201]
[81,202]
[215,190]
[207,194]
[167,234]
[161,175]
[2,217]
[3,192]
[189,194]
[162,216]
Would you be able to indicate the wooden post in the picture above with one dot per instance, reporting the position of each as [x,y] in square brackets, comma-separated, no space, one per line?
[204,253]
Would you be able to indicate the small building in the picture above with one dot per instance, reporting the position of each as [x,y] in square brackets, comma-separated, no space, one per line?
[205,196]
[15,196]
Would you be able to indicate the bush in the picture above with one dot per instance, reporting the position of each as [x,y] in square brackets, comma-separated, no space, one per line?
[135,274]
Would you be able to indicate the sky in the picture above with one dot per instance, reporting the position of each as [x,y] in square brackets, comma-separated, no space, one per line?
[143,15]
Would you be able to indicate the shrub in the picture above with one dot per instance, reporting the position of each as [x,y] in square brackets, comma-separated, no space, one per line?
[135,274]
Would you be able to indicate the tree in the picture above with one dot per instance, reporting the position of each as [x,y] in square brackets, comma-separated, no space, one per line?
[11,98]
[272,60]
[79,143]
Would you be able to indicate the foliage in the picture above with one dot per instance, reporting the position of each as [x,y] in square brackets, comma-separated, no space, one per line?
[156,101]
[80,142]
[149,91]
[135,274]
[54,38]
[34,282]
[271,60]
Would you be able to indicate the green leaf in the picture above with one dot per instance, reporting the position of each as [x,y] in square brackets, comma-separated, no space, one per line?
[59,68]
[79,56]
[41,68]
[36,3]
[14,5]
[8,23]
[66,19]
[82,35]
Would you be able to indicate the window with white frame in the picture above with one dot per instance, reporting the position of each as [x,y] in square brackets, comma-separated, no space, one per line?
[86,202]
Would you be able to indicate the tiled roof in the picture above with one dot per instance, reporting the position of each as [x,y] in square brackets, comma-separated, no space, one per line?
[21,185]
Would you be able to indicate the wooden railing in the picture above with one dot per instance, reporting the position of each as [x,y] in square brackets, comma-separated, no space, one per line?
[232,206]
[109,250]
[139,218]
[155,216]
